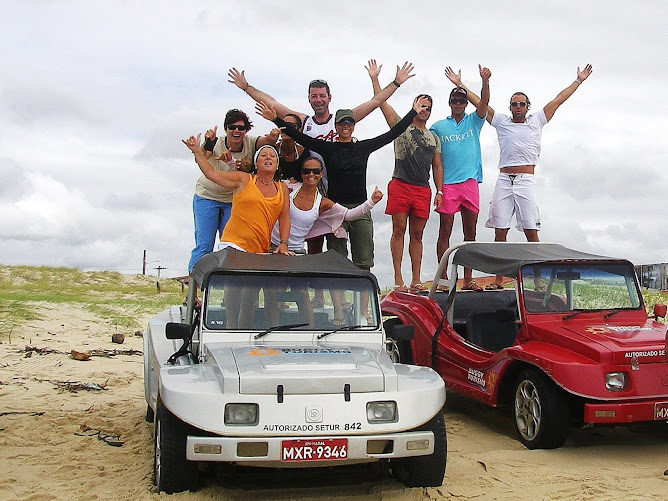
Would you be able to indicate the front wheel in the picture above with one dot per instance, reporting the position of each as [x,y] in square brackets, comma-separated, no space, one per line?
[172,471]
[425,471]
[541,411]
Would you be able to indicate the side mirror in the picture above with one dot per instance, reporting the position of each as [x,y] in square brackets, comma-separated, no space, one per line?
[175,330]
[660,310]
[401,332]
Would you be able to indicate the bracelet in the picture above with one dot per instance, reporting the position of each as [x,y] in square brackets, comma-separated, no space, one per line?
[210,143]
[578,81]
[396,83]
[283,242]
[439,192]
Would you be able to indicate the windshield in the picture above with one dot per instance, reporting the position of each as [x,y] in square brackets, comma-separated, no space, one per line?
[297,303]
[568,287]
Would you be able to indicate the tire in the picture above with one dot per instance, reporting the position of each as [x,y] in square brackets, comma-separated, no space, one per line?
[172,471]
[541,411]
[405,354]
[425,471]
[150,414]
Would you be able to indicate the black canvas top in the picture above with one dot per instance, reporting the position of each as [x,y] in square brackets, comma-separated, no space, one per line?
[506,258]
[229,259]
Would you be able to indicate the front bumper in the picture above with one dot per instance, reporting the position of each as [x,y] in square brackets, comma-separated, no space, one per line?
[626,412]
[267,450]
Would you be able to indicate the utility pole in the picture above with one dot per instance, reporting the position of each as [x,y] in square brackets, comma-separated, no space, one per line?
[143,264]
[160,268]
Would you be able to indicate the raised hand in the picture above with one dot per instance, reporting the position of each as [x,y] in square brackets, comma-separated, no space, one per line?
[373,69]
[273,135]
[484,74]
[420,103]
[225,156]
[193,143]
[238,78]
[455,78]
[584,74]
[404,73]
[266,112]
[377,195]
[211,133]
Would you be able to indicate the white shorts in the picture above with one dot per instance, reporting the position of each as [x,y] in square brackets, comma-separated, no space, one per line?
[514,194]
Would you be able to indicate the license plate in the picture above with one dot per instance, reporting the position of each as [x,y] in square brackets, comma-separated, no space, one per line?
[316,449]
[661,411]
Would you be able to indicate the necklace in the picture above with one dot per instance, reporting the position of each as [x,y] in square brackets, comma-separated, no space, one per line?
[270,183]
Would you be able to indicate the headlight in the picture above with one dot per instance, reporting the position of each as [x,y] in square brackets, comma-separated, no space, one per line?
[381,412]
[615,381]
[240,414]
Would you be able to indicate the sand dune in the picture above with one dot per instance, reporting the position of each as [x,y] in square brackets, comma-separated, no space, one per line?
[50,448]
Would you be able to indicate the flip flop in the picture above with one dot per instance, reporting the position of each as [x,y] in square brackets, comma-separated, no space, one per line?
[417,288]
[472,286]
[493,287]
[400,288]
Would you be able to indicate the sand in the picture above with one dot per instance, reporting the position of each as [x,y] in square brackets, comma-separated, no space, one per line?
[46,455]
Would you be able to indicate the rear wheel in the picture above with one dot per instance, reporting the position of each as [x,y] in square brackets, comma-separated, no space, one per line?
[172,471]
[425,471]
[541,411]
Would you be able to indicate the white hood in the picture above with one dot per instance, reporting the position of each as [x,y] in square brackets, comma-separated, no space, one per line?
[308,369]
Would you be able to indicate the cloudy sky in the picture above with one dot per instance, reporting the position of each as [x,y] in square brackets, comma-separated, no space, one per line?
[95,97]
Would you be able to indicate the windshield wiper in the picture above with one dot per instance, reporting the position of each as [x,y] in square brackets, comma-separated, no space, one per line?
[277,328]
[608,315]
[571,315]
[344,328]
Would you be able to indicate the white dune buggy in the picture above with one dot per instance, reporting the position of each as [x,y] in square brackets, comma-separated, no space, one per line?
[259,374]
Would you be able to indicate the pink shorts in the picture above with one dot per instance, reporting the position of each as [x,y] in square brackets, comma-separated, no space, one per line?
[403,197]
[456,196]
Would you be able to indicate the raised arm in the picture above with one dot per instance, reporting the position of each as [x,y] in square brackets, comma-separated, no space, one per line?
[269,113]
[403,74]
[391,116]
[238,78]
[231,180]
[483,104]
[552,106]
[456,78]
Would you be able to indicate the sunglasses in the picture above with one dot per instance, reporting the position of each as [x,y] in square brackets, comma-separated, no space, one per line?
[458,100]
[515,104]
[236,127]
[318,83]
[317,171]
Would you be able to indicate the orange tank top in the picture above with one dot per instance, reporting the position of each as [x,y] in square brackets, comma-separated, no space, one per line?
[252,218]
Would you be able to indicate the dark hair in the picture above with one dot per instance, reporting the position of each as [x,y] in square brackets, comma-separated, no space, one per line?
[427,96]
[297,120]
[318,84]
[521,94]
[234,115]
[315,159]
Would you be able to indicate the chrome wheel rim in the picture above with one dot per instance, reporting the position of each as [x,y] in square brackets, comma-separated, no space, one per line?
[527,410]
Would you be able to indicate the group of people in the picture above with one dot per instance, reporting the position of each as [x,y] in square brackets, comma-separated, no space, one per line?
[323,169]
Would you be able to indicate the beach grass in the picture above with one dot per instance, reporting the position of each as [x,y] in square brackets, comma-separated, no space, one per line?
[121,300]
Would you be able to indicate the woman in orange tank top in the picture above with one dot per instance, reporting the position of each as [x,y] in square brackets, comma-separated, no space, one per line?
[258,201]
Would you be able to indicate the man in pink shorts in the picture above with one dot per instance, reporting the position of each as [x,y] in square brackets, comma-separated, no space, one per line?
[462,168]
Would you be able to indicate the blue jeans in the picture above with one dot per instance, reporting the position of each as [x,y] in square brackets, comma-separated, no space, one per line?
[210,216]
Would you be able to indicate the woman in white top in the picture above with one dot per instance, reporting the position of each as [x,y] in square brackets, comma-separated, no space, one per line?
[312,214]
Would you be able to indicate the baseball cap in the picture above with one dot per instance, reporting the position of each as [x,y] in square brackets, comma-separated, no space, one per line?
[458,92]
[342,115]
